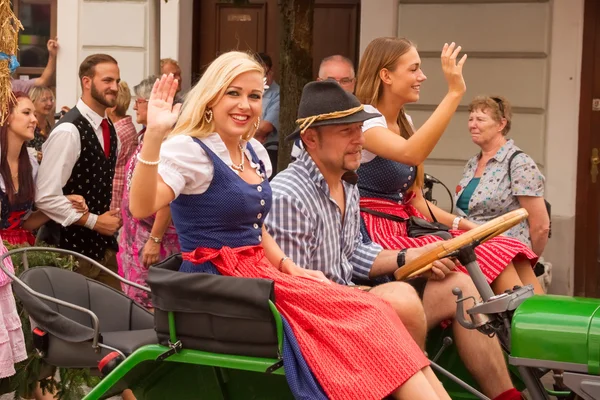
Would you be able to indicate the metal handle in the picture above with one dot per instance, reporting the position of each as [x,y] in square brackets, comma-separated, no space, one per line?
[594,160]
[95,263]
[93,316]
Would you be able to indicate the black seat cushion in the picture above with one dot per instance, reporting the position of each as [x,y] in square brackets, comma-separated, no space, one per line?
[129,341]
[214,313]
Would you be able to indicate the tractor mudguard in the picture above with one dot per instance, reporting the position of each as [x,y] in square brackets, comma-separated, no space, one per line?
[557,332]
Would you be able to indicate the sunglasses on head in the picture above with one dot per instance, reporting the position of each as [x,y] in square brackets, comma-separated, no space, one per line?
[500,105]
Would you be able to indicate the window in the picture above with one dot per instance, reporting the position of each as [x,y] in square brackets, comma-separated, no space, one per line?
[38,18]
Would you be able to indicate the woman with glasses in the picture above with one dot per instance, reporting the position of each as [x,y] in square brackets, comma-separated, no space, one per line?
[501,178]
[391,172]
[43,100]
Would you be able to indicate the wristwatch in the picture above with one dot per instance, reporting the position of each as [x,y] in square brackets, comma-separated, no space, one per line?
[155,239]
[401,258]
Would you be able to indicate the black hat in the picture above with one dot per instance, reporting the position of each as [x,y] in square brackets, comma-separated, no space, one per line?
[321,100]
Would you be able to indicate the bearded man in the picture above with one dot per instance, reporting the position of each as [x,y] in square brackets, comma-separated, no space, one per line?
[79,158]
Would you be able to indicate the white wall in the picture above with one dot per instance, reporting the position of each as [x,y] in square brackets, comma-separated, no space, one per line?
[562,133]
[83,30]
[176,36]
[563,105]
[377,18]
[130,38]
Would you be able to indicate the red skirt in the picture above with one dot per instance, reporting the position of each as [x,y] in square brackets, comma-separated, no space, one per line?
[353,341]
[493,256]
[17,236]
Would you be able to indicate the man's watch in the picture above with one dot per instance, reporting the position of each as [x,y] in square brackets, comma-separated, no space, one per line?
[401,258]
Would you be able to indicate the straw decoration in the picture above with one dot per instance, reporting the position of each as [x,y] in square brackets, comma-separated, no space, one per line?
[9,29]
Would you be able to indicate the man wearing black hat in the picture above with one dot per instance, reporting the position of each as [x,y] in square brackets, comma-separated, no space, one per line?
[315,219]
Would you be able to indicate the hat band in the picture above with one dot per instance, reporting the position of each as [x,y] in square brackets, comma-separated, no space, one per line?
[305,123]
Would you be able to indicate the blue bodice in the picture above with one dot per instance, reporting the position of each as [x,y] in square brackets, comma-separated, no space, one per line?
[385,179]
[230,213]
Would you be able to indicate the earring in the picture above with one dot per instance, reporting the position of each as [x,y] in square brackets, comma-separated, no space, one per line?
[208,115]
[257,123]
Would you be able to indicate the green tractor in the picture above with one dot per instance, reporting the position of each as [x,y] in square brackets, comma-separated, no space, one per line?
[219,337]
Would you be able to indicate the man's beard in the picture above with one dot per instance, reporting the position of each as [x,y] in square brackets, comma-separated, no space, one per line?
[96,95]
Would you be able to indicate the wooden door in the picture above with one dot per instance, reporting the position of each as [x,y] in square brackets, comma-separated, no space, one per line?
[336,30]
[221,26]
[587,217]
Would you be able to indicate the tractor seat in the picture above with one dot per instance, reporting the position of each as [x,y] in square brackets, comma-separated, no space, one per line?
[123,324]
[557,332]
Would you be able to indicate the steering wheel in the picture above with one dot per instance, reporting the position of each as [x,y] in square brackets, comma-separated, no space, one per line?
[444,248]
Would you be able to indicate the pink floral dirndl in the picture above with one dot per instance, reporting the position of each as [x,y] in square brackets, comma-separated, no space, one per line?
[134,235]
[12,342]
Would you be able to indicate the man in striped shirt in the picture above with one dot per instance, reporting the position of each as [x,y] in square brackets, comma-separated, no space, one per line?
[315,219]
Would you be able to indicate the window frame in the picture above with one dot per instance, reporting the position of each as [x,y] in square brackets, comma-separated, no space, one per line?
[35,72]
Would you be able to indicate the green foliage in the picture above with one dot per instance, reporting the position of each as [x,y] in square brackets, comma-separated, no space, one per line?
[70,386]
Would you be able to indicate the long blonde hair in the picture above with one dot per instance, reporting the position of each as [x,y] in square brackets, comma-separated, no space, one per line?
[384,53]
[209,90]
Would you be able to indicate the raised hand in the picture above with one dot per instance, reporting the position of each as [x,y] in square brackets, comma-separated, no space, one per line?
[52,47]
[162,115]
[452,69]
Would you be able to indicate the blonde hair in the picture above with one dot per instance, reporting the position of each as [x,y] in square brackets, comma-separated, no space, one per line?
[209,91]
[123,99]
[498,106]
[384,53]
[36,92]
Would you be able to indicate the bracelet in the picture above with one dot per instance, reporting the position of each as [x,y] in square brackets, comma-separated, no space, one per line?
[151,163]
[90,223]
[455,223]
[155,239]
[281,262]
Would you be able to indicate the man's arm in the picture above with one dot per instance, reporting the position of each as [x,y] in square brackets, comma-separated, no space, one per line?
[291,226]
[61,152]
[48,77]
[386,262]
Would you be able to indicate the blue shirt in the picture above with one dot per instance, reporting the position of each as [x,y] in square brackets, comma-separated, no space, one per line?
[463,200]
[307,224]
[270,110]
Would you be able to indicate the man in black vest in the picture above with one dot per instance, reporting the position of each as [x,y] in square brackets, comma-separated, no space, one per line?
[79,157]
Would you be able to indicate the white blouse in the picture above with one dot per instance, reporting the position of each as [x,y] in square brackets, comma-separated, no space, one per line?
[372,123]
[187,169]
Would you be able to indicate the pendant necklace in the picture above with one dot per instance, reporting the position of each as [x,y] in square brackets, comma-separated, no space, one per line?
[241,166]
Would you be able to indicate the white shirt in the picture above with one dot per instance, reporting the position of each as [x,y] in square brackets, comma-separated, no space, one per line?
[187,169]
[380,121]
[61,152]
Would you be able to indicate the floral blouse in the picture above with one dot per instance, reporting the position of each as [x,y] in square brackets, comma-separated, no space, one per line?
[496,195]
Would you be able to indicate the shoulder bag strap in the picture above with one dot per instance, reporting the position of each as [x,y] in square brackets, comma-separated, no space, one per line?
[383,215]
